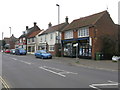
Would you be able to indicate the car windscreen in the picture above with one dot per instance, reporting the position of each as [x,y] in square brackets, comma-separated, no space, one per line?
[41,52]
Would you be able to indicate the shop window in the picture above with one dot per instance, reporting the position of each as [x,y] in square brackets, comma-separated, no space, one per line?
[29,49]
[33,48]
[51,48]
[84,50]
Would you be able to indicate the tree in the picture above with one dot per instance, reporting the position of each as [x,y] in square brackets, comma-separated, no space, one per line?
[3,43]
[109,46]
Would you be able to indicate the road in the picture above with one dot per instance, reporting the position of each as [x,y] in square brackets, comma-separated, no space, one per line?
[30,72]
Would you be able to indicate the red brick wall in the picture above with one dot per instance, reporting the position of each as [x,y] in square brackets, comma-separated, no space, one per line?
[75,34]
[103,27]
[62,36]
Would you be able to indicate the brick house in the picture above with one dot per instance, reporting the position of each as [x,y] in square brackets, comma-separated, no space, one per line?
[118,28]
[50,39]
[10,42]
[84,37]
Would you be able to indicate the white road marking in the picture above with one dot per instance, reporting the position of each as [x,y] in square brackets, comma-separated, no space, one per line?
[61,71]
[110,83]
[94,87]
[25,62]
[52,71]
[56,71]
[21,61]
[14,59]
[4,83]
[97,68]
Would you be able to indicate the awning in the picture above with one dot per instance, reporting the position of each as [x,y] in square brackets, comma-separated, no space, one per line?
[75,39]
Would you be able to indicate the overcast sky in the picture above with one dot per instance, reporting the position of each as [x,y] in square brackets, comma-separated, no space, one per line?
[18,14]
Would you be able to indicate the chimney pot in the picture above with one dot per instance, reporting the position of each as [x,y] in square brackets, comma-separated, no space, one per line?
[26,27]
[35,23]
[49,25]
[66,19]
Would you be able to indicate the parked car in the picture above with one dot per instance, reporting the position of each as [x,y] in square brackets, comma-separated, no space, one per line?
[115,58]
[7,51]
[12,51]
[20,51]
[43,54]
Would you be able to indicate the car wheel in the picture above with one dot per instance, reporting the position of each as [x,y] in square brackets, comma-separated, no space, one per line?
[41,57]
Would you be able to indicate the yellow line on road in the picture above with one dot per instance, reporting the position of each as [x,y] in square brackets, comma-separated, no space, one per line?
[4,83]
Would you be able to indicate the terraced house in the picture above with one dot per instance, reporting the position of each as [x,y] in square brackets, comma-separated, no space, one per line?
[50,39]
[28,40]
[32,39]
[86,36]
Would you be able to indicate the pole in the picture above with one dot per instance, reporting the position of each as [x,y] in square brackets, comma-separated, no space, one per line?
[2,42]
[10,31]
[58,21]
[58,13]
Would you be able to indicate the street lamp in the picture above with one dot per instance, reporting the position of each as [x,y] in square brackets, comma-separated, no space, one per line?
[58,13]
[58,37]
[10,31]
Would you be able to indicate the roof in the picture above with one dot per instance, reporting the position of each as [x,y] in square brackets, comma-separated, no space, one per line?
[33,34]
[31,30]
[85,21]
[55,28]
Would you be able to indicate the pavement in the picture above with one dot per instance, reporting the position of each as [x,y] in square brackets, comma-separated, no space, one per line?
[89,63]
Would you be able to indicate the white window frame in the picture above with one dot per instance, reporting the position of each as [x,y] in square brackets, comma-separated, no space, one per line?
[69,34]
[33,40]
[83,32]
[28,40]
[51,47]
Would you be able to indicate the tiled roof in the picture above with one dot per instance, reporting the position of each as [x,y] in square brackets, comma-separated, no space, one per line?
[85,21]
[55,28]
[31,30]
[33,34]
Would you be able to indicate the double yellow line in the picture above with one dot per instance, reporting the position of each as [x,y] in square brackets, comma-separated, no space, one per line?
[4,83]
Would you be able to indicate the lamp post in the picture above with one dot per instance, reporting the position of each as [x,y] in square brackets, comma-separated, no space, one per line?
[58,13]
[57,46]
[2,42]
[58,37]
[10,31]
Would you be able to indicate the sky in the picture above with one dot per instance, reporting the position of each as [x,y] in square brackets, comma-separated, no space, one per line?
[18,14]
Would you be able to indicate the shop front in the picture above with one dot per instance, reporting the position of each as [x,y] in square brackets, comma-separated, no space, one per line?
[30,49]
[42,46]
[79,47]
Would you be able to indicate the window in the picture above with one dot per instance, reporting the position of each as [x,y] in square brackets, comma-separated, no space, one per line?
[69,34]
[33,39]
[28,40]
[33,48]
[83,32]
[51,36]
[41,39]
[45,38]
[51,47]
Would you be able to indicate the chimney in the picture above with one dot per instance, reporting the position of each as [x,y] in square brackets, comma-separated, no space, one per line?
[66,19]
[35,23]
[49,25]
[26,27]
